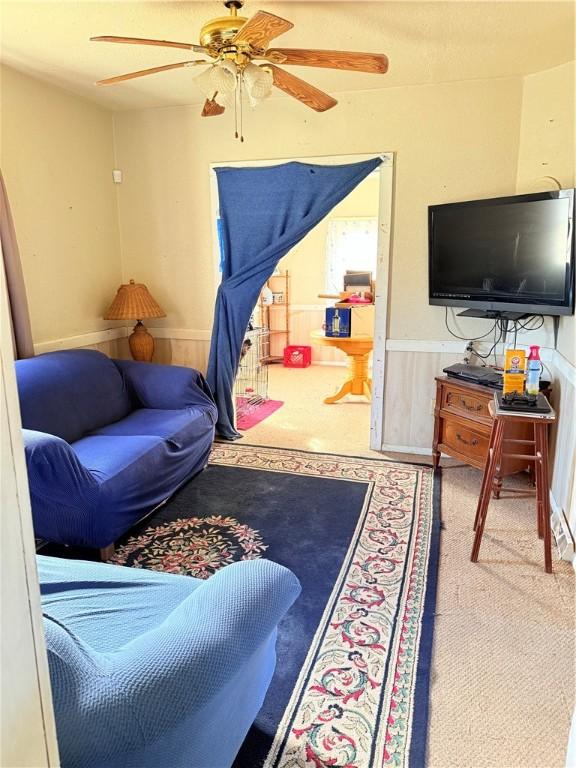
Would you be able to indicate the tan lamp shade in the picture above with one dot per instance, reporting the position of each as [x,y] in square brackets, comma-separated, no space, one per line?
[134,302]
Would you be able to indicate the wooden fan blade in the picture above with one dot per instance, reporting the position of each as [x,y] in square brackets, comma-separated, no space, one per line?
[260,29]
[146,41]
[353,60]
[301,90]
[152,71]
[212,108]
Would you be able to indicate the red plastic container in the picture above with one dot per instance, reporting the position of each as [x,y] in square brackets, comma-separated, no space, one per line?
[297,357]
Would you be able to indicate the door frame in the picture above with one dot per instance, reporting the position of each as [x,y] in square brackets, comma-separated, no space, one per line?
[384,250]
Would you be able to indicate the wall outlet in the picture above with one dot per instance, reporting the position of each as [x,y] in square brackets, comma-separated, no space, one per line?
[432,405]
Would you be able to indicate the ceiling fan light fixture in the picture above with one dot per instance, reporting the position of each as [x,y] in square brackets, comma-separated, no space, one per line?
[225,98]
[259,83]
[204,82]
[224,75]
[220,78]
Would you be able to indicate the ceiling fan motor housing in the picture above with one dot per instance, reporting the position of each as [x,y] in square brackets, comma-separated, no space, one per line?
[216,33]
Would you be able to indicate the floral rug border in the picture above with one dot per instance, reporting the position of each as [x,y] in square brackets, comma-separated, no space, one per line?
[361,700]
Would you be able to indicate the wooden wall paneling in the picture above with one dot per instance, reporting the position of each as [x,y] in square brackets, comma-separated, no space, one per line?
[192,353]
[26,712]
[563,444]
[409,396]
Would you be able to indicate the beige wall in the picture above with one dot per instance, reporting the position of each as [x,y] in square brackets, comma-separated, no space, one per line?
[452,142]
[56,153]
[547,148]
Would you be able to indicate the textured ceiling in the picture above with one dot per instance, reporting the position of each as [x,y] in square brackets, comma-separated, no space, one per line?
[427,42]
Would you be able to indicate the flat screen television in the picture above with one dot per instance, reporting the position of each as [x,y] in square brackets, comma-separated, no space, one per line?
[505,254]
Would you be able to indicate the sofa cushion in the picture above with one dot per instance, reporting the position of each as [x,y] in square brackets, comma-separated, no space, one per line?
[134,475]
[70,393]
[180,426]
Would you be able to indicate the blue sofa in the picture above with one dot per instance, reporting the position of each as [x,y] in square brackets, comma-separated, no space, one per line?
[108,440]
[151,669]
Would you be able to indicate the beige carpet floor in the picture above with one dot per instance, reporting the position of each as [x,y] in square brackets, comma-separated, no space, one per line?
[503,660]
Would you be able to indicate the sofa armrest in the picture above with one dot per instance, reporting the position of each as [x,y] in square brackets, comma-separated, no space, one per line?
[175,675]
[165,386]
[62,491]
[209,638]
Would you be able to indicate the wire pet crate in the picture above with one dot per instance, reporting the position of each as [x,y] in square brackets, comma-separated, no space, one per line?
[251,388]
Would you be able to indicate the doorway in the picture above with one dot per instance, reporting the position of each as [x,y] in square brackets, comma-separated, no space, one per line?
[310,274]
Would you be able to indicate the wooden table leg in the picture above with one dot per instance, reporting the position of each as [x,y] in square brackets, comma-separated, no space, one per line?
[485,475]
[107,552]
[484,501]
[497,484]
[358,382]
[543,491]
[538,483]
[345,389]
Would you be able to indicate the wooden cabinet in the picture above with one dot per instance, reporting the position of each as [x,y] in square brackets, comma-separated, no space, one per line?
[462,426]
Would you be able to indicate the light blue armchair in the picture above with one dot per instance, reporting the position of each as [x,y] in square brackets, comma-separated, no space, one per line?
[152,669]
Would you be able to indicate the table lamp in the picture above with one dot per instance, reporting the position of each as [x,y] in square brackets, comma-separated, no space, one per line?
[134,302]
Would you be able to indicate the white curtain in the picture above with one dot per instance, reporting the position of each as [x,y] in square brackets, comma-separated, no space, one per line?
[350,244]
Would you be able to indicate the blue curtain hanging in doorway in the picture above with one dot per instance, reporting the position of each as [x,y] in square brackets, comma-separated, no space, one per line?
[264,213]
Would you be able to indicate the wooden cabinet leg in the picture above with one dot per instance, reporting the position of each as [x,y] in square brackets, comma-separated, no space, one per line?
[436,439]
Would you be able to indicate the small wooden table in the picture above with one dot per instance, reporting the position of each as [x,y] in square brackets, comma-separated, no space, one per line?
[538,455]
[358,349]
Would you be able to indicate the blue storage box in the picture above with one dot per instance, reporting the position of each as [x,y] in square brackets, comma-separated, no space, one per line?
[337,321]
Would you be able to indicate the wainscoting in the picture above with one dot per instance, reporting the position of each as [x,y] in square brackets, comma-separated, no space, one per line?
[563,441]
[112,342]
[409,393]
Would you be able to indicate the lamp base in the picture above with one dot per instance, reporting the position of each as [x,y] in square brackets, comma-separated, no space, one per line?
[141,343]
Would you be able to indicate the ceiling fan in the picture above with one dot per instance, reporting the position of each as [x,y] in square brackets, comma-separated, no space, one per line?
[233,43]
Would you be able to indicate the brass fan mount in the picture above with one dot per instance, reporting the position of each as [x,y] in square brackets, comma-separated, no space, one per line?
[217,37]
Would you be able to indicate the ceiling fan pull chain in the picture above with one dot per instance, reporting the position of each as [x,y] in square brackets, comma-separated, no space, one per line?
[236,113]
[241,109]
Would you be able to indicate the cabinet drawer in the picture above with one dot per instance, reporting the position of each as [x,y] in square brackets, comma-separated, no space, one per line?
[468,404]
[465,441]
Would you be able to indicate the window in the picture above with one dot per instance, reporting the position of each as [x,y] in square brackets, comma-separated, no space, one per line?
[350,244]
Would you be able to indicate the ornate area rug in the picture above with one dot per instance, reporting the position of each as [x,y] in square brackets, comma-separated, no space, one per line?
[351,684]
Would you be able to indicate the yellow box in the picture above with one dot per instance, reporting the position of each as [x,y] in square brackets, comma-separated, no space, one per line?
[362,320]
[514,371]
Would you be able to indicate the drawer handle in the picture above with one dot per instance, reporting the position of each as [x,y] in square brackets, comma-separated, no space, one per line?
[469,407]
[472,442]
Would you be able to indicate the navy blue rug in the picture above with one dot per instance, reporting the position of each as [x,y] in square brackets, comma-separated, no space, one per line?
[350,688]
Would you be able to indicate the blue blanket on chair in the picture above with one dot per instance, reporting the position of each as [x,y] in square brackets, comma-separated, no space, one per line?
[151,669]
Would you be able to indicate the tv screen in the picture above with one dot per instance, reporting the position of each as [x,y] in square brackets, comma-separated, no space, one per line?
[508,253]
